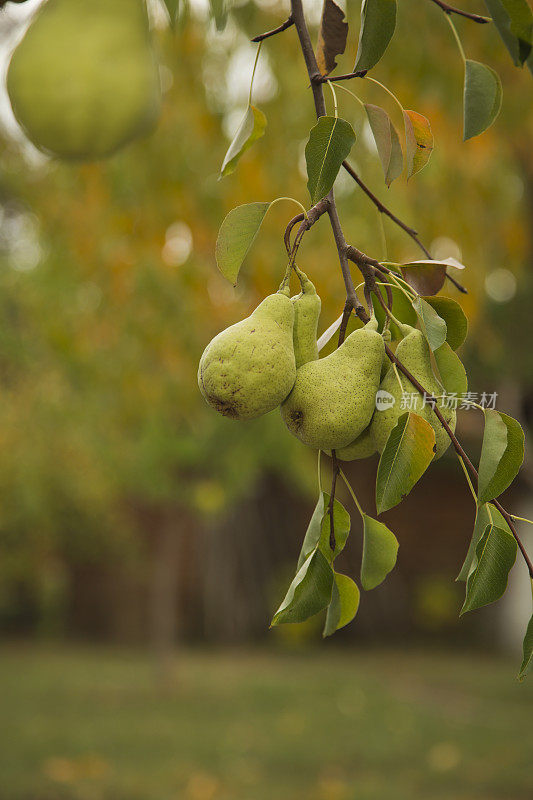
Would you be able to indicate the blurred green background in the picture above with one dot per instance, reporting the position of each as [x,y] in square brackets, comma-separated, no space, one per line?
[145,542]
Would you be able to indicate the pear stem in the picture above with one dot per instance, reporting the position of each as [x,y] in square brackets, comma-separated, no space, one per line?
[331,504]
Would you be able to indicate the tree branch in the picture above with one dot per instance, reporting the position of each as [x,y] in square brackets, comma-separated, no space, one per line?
[397,221]
[361,73]
[315,77]
[383,208]
[452,10]
[459,449]
[283,27]
[343,249]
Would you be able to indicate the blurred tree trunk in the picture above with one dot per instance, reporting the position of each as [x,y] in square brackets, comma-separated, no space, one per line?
[164,594]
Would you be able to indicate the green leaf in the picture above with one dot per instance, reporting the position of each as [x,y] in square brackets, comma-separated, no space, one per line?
[502,454]
[312,535]
[319,529]
[219,13]
[521,18]
[344,604]
[452,373]
[378,21]
[482,98]
[433,326]
[418,141]
[496,554]
[309,593]
[528,652]
[387,142]
[514,21]
[236,236]
[173,7]
[341,523]
[406,456]
[454,317]
[380,549]
[487,514]
[330,142]
[250,130]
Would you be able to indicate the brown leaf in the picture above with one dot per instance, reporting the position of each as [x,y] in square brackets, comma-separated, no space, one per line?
[331,37]
[426,277]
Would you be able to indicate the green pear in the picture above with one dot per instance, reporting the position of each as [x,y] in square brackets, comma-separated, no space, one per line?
[364,446]
[307,307]
[84,80]
[413,351]
[249,369]
[333,398]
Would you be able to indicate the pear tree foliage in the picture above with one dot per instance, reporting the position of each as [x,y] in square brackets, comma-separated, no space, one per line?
[349,403]
[341,393]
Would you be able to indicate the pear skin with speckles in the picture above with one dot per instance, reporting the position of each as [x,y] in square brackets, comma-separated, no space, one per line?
[413,351]
[364,446]
[333,398]
[307,307]
[249,368]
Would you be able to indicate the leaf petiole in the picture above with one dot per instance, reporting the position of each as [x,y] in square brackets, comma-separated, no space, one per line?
[457,39]
[253,73]
[354,498]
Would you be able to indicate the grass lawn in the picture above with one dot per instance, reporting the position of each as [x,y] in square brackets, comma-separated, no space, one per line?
[321,724]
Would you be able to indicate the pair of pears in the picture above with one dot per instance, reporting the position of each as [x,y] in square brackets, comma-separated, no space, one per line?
[250,368]
[271,359]
[84,81]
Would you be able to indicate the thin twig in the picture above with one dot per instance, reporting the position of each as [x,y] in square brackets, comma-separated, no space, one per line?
[397,221]
[307,221]
[452,10]
[331,505]
[344,324]
[288,230]
[283,27]
[383,208]
[346,77]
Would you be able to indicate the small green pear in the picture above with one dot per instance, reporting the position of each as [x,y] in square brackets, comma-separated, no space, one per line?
[307,307]
[84,80]
[413,351]
[333,398]
[249,369]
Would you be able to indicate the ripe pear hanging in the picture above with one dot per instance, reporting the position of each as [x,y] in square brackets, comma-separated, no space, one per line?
[307,307]
[84,81]
[333,398]
[413,351]
[364,446]
[249,369]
